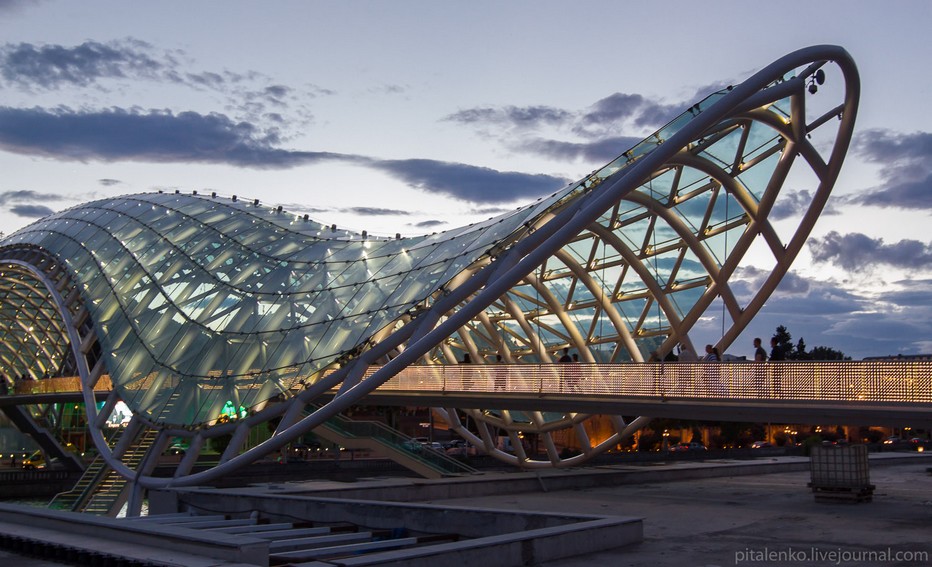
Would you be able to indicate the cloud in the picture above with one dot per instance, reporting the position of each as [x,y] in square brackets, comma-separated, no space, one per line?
[905,195]
[54,66]
[792,203]
[597,129]
[28,195]
[154,136]
[428,224]
[469,182]
[109,182]
[855,251]
[512,116]
[374,211]
[493,211]
[603,150]
[249,94]
[906,167]
[619,107]
[858,323]
[886,146]
[31,211]
[23,203]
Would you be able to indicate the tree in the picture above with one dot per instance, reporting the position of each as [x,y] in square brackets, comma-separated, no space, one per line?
[784,341]
[800,353]
[827,353]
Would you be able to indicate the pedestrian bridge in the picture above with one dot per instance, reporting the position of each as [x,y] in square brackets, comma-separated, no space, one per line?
[851,393]
[843,392]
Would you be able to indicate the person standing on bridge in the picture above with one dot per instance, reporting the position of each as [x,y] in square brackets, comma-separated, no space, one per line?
[760,355]
[687,375]
[712,377]
[565,359]
[499,373]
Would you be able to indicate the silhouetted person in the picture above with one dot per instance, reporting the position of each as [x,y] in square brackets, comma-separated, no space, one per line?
[776,353]
[499,373]
[760,355]
[566,356]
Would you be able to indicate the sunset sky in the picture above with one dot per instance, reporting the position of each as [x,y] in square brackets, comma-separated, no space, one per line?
[415,116]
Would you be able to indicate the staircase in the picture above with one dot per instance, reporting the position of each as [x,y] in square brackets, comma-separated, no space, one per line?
[101,490]
[392,444]
[43,435]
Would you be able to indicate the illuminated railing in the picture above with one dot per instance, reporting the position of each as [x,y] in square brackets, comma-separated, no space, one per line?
[899,381]
[58,385]
[868,381]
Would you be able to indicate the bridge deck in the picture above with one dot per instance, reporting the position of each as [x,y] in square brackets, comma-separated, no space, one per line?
[862,392]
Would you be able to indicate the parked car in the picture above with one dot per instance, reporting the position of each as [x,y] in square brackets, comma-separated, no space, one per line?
[461,449]
[760,444]
[36,461]
[684,447]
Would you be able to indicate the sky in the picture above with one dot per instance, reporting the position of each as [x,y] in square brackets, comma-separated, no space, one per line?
[416,116]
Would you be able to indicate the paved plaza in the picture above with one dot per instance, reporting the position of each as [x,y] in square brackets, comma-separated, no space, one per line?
[734,520]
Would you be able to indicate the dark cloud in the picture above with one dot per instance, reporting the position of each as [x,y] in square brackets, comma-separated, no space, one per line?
[52,66]
[857,251]
[28,195]
[468,182]
[596,128]
[620,107]
[906,167]
[887,146]
[824,313]
[428,224]
[374,211]
[905,195]
[189,137]
[109,182]
[913,293]
[491,211]
[748,280]
[512,116]
[603,150]
[31,211]
[116,134]
[795,203]
[49,67]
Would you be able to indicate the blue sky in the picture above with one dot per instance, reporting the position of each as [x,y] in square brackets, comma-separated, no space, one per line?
[416,116]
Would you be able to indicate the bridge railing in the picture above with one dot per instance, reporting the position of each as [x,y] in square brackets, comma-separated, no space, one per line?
[868,381]
[57,385]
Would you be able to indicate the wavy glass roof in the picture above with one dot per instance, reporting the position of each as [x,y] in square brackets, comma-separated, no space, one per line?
[201,300]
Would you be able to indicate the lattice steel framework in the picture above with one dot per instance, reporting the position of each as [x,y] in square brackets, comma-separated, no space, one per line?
[195,303]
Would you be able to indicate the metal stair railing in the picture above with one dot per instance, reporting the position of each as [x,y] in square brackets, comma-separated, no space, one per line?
[92,475]
[113,489]
[396,444]
[101,488]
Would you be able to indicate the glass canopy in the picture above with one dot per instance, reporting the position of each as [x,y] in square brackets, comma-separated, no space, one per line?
[200,302]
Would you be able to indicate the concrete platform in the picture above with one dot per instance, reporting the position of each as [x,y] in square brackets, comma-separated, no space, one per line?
[710,513]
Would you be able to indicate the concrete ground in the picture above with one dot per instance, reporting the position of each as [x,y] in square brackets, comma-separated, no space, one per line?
[743,519]
[770,519]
